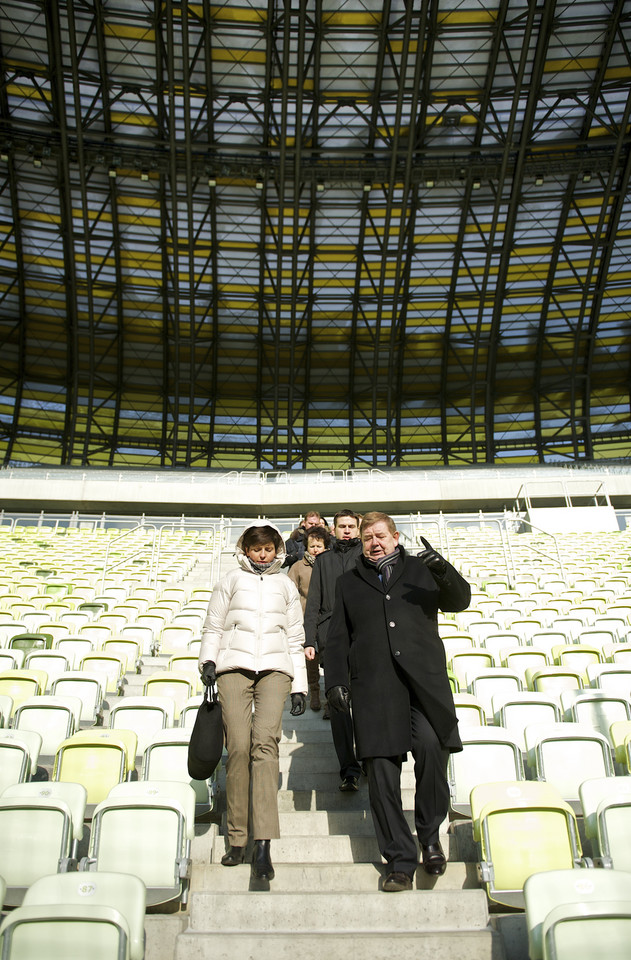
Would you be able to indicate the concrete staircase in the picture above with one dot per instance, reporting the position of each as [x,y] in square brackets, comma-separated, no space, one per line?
[325,900]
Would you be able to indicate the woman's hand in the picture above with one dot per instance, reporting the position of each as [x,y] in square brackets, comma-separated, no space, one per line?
[298,704]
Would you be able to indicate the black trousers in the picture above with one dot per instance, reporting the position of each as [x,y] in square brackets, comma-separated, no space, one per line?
[344,742]
[431,799]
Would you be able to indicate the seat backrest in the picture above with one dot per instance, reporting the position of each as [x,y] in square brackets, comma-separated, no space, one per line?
[94,915]
[6,709]
[549,890]
[565,754]
[487,755]
[88,687]
[97,762]
[74,795]
[54,718]
[145,835]
[144,715]
[35,833]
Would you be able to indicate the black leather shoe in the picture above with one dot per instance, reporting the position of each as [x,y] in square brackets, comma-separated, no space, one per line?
[233,856]
[434,860]
[349,784]
[397,881]
[262,868]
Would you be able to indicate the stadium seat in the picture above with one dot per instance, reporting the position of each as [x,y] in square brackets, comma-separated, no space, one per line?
[19,755]
[174,638]
[89,687]
[594,708]
[110,666]
[165,758]
[489,754]
[578,914]
[565,754]
[146,828]
[22,684]
[501,644]
[521,827]
[190,708]
[554,679]
[11,659]
[70,916]
[74,648]
[6,709]
[576,656]
[516,711]
[611,678]
[127,650]
[606,806]
[52,662]
[180,687]
[96,758]
[144,715]
[54,718]
[470,712]
[620,737]
[493,682]
[41,825]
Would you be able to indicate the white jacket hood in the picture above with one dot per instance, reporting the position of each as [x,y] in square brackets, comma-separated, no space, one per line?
[243,560]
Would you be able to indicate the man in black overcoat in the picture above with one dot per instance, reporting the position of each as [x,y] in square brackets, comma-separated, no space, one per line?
[384,653]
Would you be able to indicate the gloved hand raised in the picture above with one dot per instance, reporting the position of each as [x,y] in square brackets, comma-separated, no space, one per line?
[298,704]
[339,699]
[432,560]
[209,676]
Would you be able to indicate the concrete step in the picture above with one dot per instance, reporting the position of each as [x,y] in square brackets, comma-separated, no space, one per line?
[299,774]
[325,877]
[447,944]
[331,798]
[290,913]
[335,849]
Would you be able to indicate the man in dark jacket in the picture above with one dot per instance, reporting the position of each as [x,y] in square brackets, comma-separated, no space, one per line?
[342,556]
[383,651]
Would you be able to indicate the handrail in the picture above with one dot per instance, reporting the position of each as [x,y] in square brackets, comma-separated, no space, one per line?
[181,524]
[506,549]
[139,526]
[547,533]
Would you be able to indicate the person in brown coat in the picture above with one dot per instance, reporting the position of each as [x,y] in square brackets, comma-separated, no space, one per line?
[318,540]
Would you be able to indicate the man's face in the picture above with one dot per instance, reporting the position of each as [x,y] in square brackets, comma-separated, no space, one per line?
[312,520]
[378,541]
[346,528]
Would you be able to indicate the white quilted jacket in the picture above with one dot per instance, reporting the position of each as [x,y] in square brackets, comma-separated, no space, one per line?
[254,622]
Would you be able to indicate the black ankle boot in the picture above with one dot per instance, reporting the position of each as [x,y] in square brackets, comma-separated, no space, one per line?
[233,856]
[262,868]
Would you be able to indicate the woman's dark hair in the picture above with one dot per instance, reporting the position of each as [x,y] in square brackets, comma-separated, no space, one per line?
[320,533]
[257,536]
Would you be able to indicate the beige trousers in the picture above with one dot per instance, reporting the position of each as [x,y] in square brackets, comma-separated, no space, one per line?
[252,707]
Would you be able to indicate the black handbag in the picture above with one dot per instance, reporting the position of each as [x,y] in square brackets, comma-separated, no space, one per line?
[206,744]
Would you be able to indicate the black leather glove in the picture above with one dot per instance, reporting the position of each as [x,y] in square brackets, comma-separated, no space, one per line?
[432,560]
[209,676]
[339,699]
[298,704]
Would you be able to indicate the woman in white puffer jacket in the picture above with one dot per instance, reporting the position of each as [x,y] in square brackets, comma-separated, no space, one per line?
[253,647]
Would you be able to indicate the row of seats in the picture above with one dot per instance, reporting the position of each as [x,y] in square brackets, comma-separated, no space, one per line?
[91,686]
[102,757]
[142,827]
[561,754]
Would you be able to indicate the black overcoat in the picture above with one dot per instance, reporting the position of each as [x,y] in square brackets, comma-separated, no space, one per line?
[383,643]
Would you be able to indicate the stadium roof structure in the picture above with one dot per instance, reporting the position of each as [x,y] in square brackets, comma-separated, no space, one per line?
[314,233]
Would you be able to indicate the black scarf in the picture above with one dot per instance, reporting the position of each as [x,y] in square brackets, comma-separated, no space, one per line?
[384,565]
